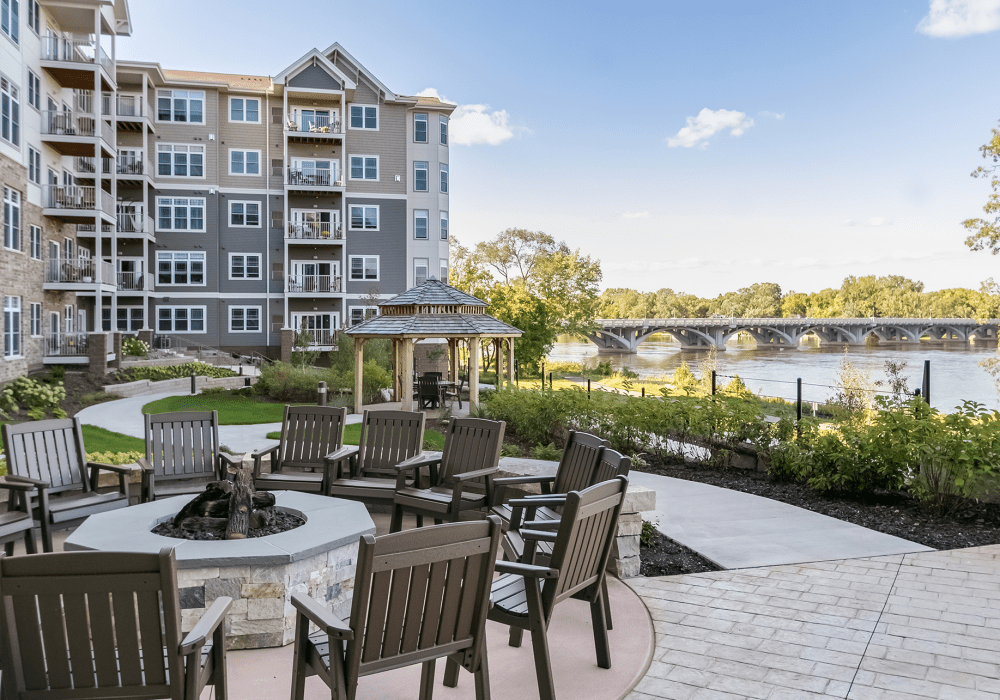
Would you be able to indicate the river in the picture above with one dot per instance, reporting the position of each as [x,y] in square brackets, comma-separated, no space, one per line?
[955,372]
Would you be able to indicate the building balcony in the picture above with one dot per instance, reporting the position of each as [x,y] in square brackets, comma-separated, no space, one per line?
[73,274]
[131,224]
[66,348]
[314,284]
[313,232]
[75,133]
[70,59]
[76,203]
[137,282]
[125,166]
[306,128]
[318,338]
[318,180]
[132,112]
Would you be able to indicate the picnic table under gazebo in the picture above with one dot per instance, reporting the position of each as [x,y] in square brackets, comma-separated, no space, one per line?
[433,310]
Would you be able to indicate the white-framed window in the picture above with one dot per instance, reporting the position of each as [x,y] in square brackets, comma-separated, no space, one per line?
[420,128]
[36,320]
[420,176]
[364,167]
[10,23]
[35,243]
[444,130]
[242,162]
[180,319]
[364,117]
[420,224]
[34,16]
[244,214]
[444,177]
[362,313]
[34,166]
[444,271]
[130,318]
[180,214]
[180,268]
[12,326]
[10,112]
[244,319]
[244,109]
[363,217]
[182,106]
[244,266]
[444,226]
[180,160]
[364,267]
[34,90]
[11,219]
[419,270]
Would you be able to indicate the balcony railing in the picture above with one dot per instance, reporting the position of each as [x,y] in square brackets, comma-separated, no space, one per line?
[85,166]
[318,337]
[89,228]
[131,220]
[322,231]
[315,178]
[315,124]
[130,106]
[83,101]
[63,123]
[72,48]
[70,270]
[70,197]
[64,344]
[315,283]
[131,164]
[105,62]
[135,281]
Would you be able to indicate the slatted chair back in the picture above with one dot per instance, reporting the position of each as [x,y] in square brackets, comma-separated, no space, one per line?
[183,444]
[310,433]
[50,450]
[388,438]
[583,543]
[579,460]
[612,464]
[428,388]
[470,444]
[61,614]
[422,594]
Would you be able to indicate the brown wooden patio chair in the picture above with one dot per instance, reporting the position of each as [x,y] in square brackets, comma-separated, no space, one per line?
[419,596]
[49,455]
[299,462]
[388,439]
[104,625]
[526,593]
[182,454]
[17,522]
[461,478]
[428,391]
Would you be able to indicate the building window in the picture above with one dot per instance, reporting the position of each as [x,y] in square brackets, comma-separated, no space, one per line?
[244,266]
[34,16]
[180,268]
[244,162]
[420,176]
[129,318]
[244,319]
[419,271]
[363,218]
[9,21]
[444,178]
[420,224]
[244,109]
[364,167]
[12,326]
[364,117]
[34,166]
[184,106]
[36,243]
[177,160]
[444,271]
[364,267]
[34,90]
[420,128]
[173,214]
[444,226]
[362,313]
[10,112]
[180,319]
[11,219]
[36,320]
[244,214]
[444,131]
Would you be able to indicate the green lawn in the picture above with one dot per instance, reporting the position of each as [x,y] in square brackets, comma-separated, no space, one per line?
[433,440]
[100,440]
[233,410]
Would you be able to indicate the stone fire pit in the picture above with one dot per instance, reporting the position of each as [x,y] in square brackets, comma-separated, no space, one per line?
[259,574]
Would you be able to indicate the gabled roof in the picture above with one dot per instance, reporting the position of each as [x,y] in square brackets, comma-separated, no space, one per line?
[433,326]
[314,56]
[338,49]
[434,292]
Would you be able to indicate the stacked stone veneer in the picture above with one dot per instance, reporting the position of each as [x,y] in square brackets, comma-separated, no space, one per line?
[262,614]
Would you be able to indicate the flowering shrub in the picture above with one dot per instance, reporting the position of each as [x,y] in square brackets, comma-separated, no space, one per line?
[133,347]
[114,457]
[38,396]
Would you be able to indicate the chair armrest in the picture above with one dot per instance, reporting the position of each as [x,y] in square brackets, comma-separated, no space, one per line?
[144,464]
[212,618]
[22,483]
[538,535]
[541,524]
[321,617]
[511,480]
[265,451]
[539,501]
[421,460]
[232,459]
[343,453]
[526,570]
[117,468]
[477,474]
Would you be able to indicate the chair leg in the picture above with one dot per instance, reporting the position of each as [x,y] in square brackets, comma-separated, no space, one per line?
[516,636]
[539,640]
[420,520]
[600,633]
[219,660]
[299,668]
[607,602]
[8,549]
[451,673]
[427,680]
[46,536]
[483,678]
[397,519]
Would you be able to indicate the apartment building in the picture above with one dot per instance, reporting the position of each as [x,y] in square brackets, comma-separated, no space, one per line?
[222,209]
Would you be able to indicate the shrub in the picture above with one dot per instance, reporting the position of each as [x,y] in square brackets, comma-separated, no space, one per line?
[282,381]
[647,538]
[114,457]
[157,374]
[509,450]
[36,395]
[548,452]
[133,347]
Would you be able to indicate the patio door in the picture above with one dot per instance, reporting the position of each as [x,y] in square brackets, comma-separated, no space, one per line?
[311,223]
[313,118]
[320,326]
[315,276]
[130,274]
[55,340]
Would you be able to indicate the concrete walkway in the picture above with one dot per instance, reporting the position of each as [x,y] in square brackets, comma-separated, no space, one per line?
[739,530]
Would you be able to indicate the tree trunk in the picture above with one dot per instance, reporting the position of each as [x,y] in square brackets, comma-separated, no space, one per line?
[240,505]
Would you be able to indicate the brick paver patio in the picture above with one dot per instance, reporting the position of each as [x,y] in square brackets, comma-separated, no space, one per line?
[897,627]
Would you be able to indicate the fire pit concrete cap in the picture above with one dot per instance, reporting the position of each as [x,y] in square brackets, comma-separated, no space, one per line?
[330,523]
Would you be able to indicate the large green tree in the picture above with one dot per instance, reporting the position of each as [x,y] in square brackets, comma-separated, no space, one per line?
[984,234]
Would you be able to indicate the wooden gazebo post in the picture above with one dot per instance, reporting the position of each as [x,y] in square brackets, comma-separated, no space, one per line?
[510,361]
[406,362]
[473,373]
[359,371]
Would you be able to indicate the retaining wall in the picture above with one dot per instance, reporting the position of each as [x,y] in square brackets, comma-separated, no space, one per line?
[146,386]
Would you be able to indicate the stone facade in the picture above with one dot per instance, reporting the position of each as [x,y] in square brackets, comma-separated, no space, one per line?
[262,614]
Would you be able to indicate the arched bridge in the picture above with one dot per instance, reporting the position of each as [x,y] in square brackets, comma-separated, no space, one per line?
[625,335]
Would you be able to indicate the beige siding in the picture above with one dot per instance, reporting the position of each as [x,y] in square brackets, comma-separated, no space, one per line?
[192,134]
[237,135]
[388,143]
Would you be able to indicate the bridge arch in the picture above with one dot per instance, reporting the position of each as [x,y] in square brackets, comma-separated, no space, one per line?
[936,329]
[764,335]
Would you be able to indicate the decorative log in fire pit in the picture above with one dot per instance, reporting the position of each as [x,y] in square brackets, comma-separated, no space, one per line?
[230,510]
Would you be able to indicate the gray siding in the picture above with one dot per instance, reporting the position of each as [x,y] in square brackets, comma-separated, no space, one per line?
[317,78]
[242,240]
[389,243]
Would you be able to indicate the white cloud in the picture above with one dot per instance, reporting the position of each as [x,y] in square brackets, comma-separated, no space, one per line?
[476,125]
[701,128]
[848,222]
[879,221]
[432,92]
[636,215]
[777,115]
[958,18]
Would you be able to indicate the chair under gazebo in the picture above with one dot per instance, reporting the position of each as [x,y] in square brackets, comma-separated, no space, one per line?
[433,310]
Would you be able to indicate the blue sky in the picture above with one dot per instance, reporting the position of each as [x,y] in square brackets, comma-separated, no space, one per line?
[701,146]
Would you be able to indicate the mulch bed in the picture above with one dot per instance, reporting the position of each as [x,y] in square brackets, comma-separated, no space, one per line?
[282,523]
[668,558]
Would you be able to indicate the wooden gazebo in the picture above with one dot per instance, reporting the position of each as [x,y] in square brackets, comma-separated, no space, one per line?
[432,310]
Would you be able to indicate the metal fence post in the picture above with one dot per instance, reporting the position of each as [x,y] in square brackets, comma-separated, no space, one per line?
[643,392]
[550,381]
[713,382]
[588,388]
[926,386]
